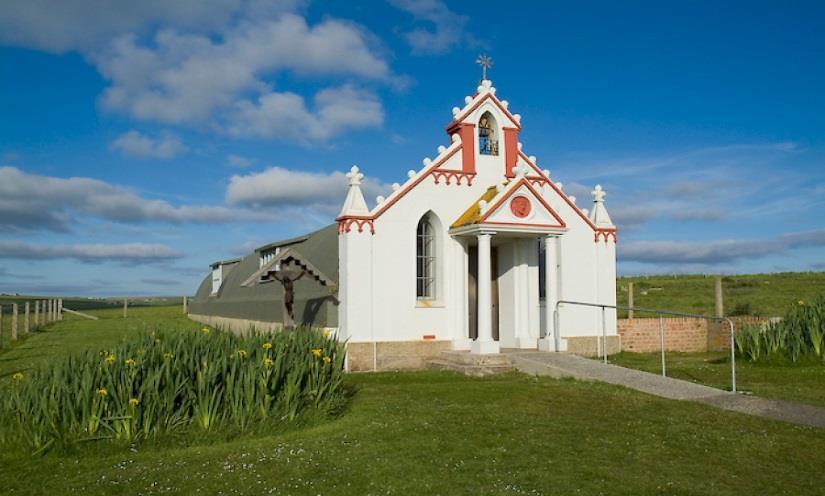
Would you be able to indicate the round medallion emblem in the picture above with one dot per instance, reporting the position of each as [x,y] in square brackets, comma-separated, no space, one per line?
[520,206]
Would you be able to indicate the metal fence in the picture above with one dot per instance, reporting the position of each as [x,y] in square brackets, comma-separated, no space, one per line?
[661,314]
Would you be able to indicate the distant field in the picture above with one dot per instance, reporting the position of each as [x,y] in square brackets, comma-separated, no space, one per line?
[114,306]
[755,294]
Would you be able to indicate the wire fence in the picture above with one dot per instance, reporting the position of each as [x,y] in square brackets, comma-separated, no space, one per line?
[662,337]
[22,317]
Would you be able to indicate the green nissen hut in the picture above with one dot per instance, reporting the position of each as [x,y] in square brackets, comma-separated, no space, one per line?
[248,292]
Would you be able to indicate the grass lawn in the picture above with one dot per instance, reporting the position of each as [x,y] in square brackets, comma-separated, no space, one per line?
[803,381]
[439,433]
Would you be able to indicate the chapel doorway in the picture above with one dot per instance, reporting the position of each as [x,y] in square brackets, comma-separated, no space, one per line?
[472,290]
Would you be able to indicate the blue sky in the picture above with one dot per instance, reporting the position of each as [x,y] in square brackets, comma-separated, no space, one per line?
[142,141]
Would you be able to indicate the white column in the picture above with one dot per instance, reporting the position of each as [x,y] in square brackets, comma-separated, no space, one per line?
[551,340]
[484,342]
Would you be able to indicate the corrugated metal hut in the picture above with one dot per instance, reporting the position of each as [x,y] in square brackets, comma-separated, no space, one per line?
[243,293]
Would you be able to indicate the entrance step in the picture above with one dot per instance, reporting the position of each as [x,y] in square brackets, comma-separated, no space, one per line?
[472,364]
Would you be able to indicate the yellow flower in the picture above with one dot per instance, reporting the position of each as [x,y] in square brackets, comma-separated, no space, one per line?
[316,351]
[18,376]
[205,365]
[268,362]
[110,359]
[102,392]
[267,346]
[130,362]
[327,359]
[801,302]
[167,355]
[242,353]
[134,402]
[326,333]
[157,341]
[205,330]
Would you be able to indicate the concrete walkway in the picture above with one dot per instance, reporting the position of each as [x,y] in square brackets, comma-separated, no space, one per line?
[564,365]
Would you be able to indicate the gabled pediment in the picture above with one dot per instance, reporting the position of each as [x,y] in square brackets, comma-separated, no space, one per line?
[516,204]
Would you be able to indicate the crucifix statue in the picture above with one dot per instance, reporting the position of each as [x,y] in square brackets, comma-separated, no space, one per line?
[287,279]
[486,62]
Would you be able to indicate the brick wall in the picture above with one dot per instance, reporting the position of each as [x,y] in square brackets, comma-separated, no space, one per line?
[681,334]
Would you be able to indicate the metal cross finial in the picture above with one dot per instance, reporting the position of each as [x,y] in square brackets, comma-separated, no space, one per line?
[485,61]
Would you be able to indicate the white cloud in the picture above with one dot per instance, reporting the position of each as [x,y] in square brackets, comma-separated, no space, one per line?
[277,186]
[31,202]
[128,252]
[60,26]
[238,161]
[715,252]
[448,27]
[135,144]
[285,115]
[196,79]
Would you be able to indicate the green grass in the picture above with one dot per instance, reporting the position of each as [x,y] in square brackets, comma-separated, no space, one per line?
[803,381]
[755,294]
[435,433]
[76,334]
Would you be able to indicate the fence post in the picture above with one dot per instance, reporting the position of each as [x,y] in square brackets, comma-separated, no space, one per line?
[732,357]
[60,309]
[662,343]
[720,305]
[14,322]
[1,326]
[185,305]
[26,318]
[37,314]
[630,300]
[125,307]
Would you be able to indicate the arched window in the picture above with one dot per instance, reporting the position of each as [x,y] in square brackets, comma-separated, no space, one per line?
[487,137]
[425,258]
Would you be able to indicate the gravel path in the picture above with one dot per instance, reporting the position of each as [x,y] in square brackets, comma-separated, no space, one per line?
[564,365]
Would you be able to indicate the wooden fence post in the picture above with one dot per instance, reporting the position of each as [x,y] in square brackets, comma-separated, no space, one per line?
[185,304]
[630,300]
[45,311]
[26,318]
[125,307]
[60,309]
[720,306]
[50,310]
[37,314]
[14,321]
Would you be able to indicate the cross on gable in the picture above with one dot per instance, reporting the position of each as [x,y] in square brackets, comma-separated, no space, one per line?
[486,62]
[354,176]
[598,194]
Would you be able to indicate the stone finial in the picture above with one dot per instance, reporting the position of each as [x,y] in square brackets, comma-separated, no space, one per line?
[396,186]
[411,173]
[354,204]
[521,170]
[546,172]
[598,215]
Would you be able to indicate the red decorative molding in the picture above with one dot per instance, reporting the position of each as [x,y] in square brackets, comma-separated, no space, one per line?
[604,234]
[345,224]
[520,206]
[449,175]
